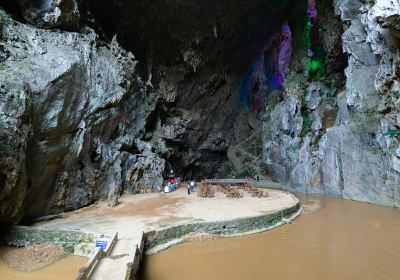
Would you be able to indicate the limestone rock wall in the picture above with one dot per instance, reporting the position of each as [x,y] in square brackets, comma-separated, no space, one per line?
[77,120]
[52,14]
[73,110]
[351,147]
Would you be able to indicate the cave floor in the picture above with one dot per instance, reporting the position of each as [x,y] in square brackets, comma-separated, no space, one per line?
[145,212]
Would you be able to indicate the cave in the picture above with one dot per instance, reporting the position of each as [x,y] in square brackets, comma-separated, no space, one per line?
[130,90]
[209,74]
[130,126]
[247,52]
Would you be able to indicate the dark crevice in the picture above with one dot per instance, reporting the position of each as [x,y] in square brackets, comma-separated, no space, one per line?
[12,8]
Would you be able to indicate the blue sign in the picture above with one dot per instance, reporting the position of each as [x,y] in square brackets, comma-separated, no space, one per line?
[101,244]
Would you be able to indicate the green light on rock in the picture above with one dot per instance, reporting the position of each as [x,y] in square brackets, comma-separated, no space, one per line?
[315,66]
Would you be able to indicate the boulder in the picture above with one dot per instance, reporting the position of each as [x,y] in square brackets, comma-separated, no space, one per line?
[113,195]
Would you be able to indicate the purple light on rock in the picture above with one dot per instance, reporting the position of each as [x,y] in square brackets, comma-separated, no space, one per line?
[285,52]
[312,9]
[268,71]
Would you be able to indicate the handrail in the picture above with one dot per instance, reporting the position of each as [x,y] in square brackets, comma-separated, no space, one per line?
[135,257]
[111,246]
[226,181]
[85,271]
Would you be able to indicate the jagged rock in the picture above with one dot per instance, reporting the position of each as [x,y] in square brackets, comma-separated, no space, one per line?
[384,107]
[317,124]
[362,68]
[343,116]
[356,46]
[352,174]
[89,104]
[281,137]
[52,14]
[313,97]
[143,171]
[351,159]
[305,175]
[113,197]
[286,117]
[386,13]
[347,9]
[76,119]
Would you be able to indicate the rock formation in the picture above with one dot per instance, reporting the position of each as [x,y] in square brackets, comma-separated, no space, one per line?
[349,149]
[72,111]
[51,14]
[106,96]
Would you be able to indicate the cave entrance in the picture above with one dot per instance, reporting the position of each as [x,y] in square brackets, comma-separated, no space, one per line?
[222,71]
[169,170]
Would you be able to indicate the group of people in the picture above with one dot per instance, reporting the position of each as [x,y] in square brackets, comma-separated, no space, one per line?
[172,181]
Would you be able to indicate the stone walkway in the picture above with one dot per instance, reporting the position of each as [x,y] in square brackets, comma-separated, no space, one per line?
[138,213]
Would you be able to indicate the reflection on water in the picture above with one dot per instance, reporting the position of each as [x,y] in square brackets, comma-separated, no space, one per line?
[333,239]
[65,269]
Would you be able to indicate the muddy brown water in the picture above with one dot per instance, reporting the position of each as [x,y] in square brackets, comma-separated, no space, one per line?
[65,269]
[333,239]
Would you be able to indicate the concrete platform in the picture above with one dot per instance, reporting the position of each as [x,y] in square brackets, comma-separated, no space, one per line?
[147,212]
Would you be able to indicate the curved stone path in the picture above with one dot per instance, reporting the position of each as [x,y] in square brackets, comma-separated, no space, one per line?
[157,211]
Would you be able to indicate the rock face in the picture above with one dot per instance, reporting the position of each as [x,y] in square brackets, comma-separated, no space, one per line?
[350,147]
[306,92]
[77,121]
[72,109]
[210,45]
[51,14]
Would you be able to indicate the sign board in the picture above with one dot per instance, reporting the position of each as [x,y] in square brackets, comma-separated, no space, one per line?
[102,244]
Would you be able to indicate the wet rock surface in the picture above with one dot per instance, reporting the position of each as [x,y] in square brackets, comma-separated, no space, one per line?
[110,95]
[51,14]
[77,119]
[352,154]
[68,130]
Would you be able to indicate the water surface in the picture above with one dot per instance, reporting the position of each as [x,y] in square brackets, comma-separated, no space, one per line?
[333,239]
[65,269]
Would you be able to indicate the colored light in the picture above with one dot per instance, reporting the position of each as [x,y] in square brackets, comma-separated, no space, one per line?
[313,34]
[267,73]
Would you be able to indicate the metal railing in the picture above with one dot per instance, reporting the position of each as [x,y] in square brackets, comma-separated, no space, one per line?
[225,181]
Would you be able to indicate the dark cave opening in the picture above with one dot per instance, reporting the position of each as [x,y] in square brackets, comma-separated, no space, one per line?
[243,52]
[12,8]
[209,74]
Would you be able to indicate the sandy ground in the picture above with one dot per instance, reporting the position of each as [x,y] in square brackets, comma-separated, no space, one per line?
[33,257]
[138,213]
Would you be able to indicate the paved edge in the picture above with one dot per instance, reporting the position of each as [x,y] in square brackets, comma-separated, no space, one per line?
[164,238]
[158,240]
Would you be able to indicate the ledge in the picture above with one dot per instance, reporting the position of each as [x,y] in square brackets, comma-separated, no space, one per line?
[158,240]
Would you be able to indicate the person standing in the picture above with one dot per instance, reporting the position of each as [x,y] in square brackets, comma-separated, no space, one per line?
[192,186]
